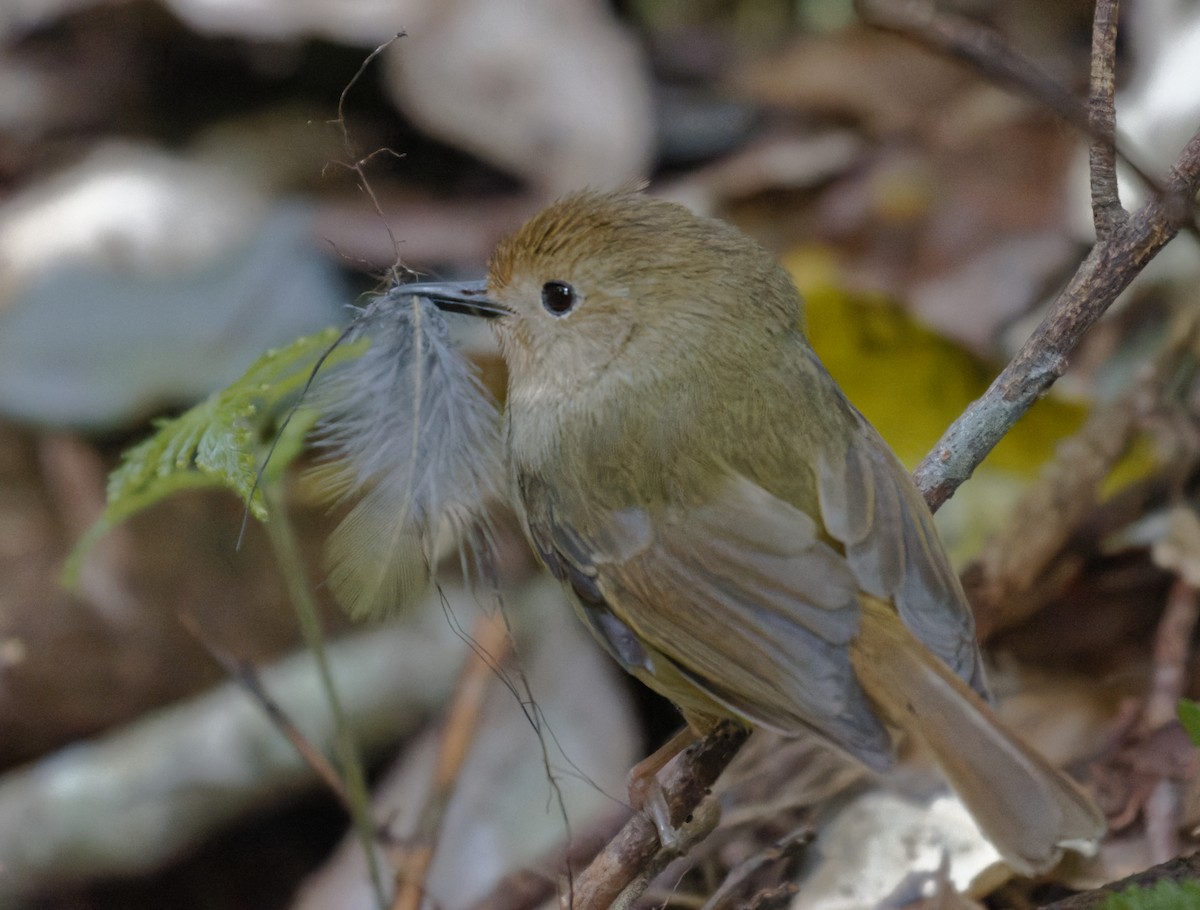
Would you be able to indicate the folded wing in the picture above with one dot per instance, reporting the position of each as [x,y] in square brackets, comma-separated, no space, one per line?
[740,595]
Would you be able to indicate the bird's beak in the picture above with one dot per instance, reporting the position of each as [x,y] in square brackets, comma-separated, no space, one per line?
[468,297]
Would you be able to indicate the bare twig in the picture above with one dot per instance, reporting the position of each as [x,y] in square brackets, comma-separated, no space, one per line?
[1172,646]
[1121,253]
[975,44]
[358,163]
[1112,264]
[1107,212]
[699,824]
[247,677]
[412,863]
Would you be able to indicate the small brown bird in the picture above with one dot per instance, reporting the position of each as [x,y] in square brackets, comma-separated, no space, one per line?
[733,531]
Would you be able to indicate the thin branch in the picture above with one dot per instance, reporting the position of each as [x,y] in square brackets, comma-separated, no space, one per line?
[1107,212]
[699,824]
[248,678]
[1112,264]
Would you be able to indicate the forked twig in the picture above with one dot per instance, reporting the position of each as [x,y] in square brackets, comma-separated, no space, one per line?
[1112,264]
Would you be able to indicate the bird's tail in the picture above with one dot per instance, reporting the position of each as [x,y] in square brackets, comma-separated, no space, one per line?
[1029,810]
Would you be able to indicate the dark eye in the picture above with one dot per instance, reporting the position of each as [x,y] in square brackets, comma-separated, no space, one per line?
[558,297]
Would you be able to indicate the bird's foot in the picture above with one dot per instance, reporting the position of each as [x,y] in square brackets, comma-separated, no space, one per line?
[646,792]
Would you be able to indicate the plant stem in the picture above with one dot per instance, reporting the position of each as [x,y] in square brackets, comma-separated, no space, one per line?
[287,551]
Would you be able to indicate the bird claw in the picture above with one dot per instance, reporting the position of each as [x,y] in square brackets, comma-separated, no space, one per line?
[647,796]
[646,793]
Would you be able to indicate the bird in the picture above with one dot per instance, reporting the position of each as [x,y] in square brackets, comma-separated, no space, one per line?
[727,524]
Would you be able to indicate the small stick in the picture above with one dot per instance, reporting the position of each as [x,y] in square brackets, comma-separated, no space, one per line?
[1124,247]
[413,862]
[247,677]
[1172,646]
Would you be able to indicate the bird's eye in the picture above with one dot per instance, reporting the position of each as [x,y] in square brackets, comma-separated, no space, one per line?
[559,298]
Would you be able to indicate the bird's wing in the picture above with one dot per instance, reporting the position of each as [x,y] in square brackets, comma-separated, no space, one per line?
[740,595]
[870,506]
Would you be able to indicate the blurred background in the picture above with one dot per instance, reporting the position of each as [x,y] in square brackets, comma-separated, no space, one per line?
[185,184]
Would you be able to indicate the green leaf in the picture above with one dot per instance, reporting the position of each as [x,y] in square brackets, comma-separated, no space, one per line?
[222,441]
[1163,895]
[1189,716]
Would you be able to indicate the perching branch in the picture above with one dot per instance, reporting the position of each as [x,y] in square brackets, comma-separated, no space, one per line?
[1126,243]
[635,849]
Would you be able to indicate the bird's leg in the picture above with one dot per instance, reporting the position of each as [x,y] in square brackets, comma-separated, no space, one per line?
[646,793]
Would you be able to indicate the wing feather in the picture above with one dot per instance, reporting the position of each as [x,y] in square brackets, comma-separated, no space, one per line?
[870,506]
[740,595]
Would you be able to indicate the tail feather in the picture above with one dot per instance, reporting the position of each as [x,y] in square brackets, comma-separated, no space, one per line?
[1029,810]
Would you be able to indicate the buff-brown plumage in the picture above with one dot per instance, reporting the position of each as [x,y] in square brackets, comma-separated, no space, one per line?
[730,527]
